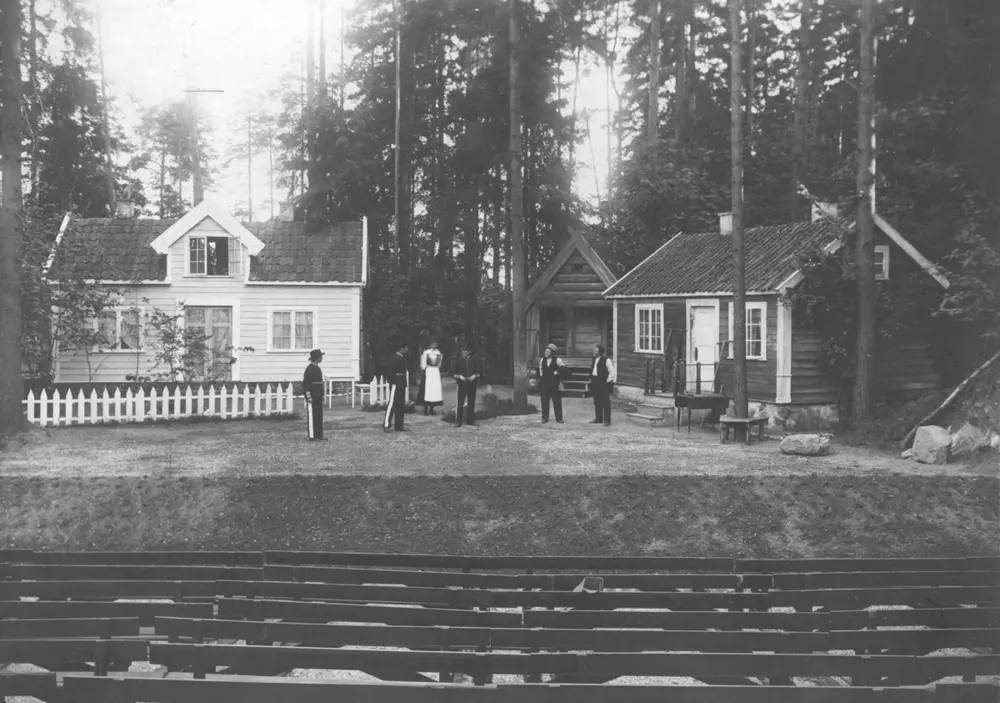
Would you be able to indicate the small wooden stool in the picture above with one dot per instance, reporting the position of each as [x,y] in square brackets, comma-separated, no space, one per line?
[727,423]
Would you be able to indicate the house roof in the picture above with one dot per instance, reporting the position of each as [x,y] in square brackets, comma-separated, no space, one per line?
[597,252]
[113,249]
[692,264]
[207,209]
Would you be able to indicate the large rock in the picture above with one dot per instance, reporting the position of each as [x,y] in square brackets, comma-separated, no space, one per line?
[968,440]
[806,445]
[932,445]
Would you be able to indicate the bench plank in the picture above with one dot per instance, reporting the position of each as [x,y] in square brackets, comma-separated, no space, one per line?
[123,572]
[70,627]
[145,612]
[59,590]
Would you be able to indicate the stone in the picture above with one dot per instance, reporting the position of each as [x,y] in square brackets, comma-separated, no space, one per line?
[806,445]
[932,445]
[994,441]
[968,440]
[908,454]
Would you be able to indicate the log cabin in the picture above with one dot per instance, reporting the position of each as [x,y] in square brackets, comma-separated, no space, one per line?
[565,305]
[676,306]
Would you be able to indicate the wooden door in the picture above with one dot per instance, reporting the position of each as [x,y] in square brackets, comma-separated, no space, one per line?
[703,343]
[216,324]
[588,332]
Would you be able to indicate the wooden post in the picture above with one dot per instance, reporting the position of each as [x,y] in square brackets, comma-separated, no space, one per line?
[570,333]
[519,278]
[741,403]
[614,331]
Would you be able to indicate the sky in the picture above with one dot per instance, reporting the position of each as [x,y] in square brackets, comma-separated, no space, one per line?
[155,49]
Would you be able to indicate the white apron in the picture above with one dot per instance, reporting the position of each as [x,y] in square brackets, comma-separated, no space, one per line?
[430,362]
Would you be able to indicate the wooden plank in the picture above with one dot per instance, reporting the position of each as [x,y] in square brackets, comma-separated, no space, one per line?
[261,609]
[984,563]
[180,688]
[47,652]
[927,596]
[690,620]
[946,618]
[919,641]
[136,558]
[58,590]
[520,563]
[478,664]
[145,612]
[556,582]
[37,684]
[481,598]
[869,579]
[324,635]
[74,627]
[125,572]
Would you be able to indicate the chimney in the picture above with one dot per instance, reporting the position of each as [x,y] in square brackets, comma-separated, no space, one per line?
[124,209]
[822,209]
[725,223]
[286,212]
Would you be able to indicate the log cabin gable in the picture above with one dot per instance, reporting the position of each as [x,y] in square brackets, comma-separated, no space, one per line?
[575,263]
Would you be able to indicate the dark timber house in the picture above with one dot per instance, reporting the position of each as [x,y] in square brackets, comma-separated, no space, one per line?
[566,306]
[677,306]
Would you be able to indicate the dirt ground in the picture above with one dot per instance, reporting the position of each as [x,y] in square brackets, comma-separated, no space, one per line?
[504,446]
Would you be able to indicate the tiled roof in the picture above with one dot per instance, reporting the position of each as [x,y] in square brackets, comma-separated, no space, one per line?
[703,263]
[114,249]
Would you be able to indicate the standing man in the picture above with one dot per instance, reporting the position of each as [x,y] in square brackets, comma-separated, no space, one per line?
[312,389]
[466,375]
[550,369]
[396,407]
[602,382]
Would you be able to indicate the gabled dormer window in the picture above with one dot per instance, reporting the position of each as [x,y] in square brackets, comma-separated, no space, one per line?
[213,256]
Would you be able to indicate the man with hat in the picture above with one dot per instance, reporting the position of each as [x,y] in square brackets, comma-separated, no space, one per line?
[312,389]
[397,377]
[550,368]
[466,375]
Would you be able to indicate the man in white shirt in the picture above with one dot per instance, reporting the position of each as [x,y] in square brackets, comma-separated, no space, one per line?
[602,381]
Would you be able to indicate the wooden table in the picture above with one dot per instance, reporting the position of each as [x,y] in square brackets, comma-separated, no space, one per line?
[699,401]
[747,423]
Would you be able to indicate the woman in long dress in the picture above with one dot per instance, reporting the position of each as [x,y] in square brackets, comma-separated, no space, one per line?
[431,394]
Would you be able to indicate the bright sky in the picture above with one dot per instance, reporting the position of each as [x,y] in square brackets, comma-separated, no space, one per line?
[244,47]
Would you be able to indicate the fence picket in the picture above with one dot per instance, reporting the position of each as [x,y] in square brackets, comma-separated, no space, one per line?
[246,402]
[43,416]
[256,400]
[92,414]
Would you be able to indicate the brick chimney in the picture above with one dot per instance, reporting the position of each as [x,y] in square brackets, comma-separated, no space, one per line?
[822,209]
[725,223]
[286,212]
[124,210]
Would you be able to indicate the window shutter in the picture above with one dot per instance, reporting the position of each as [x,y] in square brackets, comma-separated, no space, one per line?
[235,257]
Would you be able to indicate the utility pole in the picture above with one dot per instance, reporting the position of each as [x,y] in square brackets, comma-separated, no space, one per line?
[519,281]
[401,242]
[739,265]
[112,196]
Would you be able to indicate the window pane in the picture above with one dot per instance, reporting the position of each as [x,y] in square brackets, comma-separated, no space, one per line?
[130,329]
[196,247]
[218,256]
[281,330]
[303,330]
[195,315]
[221,316]
[107,329]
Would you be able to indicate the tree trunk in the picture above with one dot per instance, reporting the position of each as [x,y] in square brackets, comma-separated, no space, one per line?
[11,236]
[402,240]
[105,119]
[799,120]
[751,70]
[322,49]
[739,279]
[864,378]
[35,109]
[653,117]
[680,69]
[163,178]
[519,280]
[309,121]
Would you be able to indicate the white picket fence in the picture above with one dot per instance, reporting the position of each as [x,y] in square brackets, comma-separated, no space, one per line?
[378,390]
[65,408]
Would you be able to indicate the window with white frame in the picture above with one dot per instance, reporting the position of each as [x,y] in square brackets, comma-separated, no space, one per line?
[292,330]
[881,262]
[119,329]
[756,321]
[214,256]
[649,328]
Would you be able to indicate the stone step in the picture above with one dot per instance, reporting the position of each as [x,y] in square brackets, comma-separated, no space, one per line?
[658,400]
[647,421]
[655,410]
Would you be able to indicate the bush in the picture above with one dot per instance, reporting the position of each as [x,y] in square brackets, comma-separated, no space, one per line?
[500,407]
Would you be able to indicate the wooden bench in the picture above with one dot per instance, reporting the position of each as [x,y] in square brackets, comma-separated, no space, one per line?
[747,424]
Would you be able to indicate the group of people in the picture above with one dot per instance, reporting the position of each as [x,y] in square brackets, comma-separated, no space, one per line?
[466,372]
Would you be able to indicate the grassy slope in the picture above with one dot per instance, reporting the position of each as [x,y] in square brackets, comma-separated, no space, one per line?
[684,515]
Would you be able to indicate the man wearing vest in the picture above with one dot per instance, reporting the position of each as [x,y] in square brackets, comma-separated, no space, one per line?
[466,375]
[602,382]
[312,390]
[550,369]
[396,407]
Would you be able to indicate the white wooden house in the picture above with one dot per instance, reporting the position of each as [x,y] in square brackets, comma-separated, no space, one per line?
[274,286]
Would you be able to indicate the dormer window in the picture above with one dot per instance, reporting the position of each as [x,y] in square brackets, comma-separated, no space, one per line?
[213,256]
[881,263]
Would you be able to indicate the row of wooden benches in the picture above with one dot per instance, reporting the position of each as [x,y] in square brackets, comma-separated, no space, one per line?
[552,582]
[383,614]
[183,689]
[486,639]
[497,563]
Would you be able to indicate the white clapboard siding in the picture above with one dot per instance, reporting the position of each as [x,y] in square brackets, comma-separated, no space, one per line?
[65,408]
